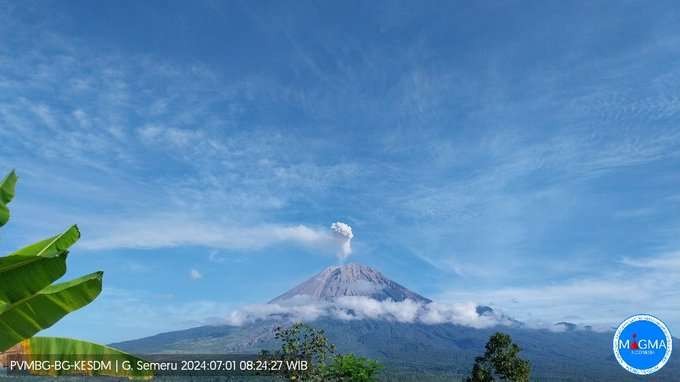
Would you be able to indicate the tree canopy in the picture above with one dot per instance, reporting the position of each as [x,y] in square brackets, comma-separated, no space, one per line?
[500,362]
[301,341]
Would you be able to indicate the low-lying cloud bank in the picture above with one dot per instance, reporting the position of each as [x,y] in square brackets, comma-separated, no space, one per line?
[357,308]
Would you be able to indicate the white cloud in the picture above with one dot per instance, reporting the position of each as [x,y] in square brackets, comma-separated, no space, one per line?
[357,308]
[194,274]
[170,136]
[215,257]
[668,262]
[81,117]
[165,231]
[649,285]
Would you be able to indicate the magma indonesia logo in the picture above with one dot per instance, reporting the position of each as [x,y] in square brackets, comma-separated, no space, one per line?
[642,344]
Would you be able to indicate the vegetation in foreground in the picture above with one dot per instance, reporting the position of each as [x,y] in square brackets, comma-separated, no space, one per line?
[500,362]
[301,341]
[31,302]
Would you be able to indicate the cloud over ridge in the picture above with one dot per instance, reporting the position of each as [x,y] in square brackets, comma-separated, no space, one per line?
[347,308]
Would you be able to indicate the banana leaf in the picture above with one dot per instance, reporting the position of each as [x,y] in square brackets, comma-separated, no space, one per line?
[7,186]
[4,214]
[32,268]
[51,246]
[111,362]
[25,318]
[24,276]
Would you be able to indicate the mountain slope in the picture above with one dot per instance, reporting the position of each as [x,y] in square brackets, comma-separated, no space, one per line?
[413,350]
[351,280]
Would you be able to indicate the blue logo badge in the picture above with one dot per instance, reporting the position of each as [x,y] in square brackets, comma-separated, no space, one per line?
[642,344]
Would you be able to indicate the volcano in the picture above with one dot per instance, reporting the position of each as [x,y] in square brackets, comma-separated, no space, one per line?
[409,350]
[351,280]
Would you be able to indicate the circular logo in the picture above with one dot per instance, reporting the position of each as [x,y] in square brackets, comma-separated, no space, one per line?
[642,344]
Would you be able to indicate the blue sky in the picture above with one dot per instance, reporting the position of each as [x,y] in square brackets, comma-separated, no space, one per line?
[519,154]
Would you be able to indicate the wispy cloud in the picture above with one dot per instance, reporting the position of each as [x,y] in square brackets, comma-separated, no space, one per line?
[639,285]
[179,230]
[491,174]
[137,313]
[97,133]
[669,262]
[194,274]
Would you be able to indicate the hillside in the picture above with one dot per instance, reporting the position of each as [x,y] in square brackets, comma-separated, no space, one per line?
[410,349]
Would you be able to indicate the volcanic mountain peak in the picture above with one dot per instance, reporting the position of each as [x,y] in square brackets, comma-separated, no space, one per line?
[351,280]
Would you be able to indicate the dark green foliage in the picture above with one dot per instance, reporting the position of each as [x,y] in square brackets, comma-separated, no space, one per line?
[501,362]
[7,185]
[351,368]
[302,342]
[479,373]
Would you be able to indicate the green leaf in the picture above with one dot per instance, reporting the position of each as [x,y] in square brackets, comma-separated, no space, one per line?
[4,214]
[7,186]
[32,268]
[52,246]
[66,349]
[23,319]
[24,276]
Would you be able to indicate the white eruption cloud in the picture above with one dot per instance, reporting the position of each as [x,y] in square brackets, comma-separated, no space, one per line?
[346,308]
[177,231]
[343,233]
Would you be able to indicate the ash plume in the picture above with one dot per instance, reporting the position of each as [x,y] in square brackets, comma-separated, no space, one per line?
[343,233]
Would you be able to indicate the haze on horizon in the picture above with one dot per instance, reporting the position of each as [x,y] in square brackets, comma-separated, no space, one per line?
[524,158]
